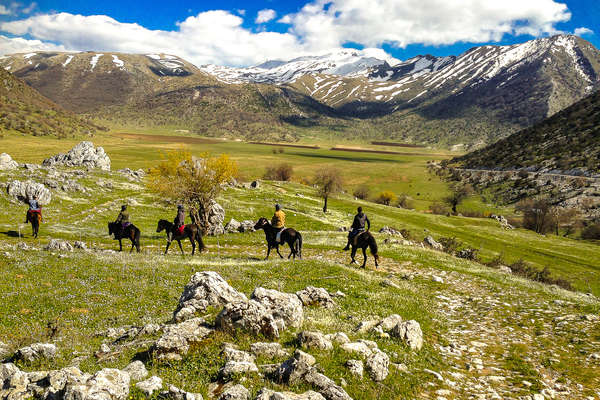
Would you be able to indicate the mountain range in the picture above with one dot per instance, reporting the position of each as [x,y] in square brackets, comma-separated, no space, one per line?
[473,99]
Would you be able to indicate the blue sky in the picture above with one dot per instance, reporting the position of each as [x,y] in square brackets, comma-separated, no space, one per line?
[234,35]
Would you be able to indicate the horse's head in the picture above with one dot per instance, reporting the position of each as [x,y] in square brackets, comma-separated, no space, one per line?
[261,223]
[162,225]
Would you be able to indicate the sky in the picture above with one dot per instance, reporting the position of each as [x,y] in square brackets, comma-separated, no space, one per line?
[244,33]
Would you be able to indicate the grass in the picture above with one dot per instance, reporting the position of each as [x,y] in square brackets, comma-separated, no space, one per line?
[84,293]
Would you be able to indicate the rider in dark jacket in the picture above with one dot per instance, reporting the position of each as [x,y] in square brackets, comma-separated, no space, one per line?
[180,218]
[123,218]
[358,226]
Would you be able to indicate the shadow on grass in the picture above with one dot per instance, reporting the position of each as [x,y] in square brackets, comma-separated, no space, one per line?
[13,234]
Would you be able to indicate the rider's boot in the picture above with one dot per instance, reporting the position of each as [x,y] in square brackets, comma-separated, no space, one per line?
[347,246]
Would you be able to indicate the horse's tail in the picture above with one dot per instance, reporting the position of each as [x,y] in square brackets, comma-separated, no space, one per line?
[373,247]
[298,245]
[199,240]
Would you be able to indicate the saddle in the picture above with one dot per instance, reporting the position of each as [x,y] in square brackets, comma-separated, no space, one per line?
[355,238]
[180,230]
[31,213]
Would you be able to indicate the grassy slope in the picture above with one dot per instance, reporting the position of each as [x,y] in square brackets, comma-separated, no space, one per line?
[84,293]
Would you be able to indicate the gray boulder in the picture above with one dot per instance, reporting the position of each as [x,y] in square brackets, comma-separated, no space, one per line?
[133,175]
[175,393]
[286,307]
[231,354]
[7,163]
[246,226]
[360,348]
[236,392]
[268,350]
[232,226]
[216,217]
[136,370]
[58,245]
[236,367]
[410,332]
[268,394]
[355,367]
[430,241]
[177,338]
[315,296]
[4,351]
[293,370]
[314,340]
[36,351]
[326,386]
[23,191]
[106,384]
[388,230]
[206,288]
[83,154]
[378,364]
[250,316]
[150,385]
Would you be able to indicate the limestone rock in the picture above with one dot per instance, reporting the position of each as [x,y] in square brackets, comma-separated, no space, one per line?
[314,340]
[236,367]
[246,226]
[4,351]
[250,316]
[206,288]
[268,350]
[216,217]
[355,367]
[294,369]
[232,226]
[410,332]
[36,351]
[390,322]
[175,393]
[430,241]
[285,306]
[315,296]
[236,392]
[58,245]
[378,364]
[177,338]
[136,370]
[326,386]
[387,230]
[338,337]
[7,163]
[134,175]
[23,191]
[150,385]
[106,384]
[236,355]
[268,394]
[357,348]
[83,154]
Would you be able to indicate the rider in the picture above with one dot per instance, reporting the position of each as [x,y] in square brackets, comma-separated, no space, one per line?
[180,218]
[34,207]
[123,218]
[278,222]
[358,226]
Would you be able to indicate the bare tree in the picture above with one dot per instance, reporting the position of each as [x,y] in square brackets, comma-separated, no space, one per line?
[329,181]
[458,193]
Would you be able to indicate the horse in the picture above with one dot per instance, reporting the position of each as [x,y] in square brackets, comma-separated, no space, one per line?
[289,235]
[35,218]
[130,232]
[191,231]
[362,241]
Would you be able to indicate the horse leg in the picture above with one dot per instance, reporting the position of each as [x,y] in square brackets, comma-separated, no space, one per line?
[353,254]
[268,251]
[364,250]
[193,244]
[167,249]
[277,249]
[180,248]
[120,245]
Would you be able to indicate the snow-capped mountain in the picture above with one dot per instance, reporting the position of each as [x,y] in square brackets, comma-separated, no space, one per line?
[348,63]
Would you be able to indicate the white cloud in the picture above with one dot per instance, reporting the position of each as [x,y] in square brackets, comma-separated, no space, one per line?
[583,31]
[4,10]
[20,45]
[241,11]
[265,15]
[29,8]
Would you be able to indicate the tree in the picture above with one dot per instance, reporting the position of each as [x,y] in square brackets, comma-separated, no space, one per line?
[195,182]
[458,193]
[329,181]
[537,215]
[362,192]
[281,172]
[386,198]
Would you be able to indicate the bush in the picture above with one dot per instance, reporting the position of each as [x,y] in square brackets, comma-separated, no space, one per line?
[281,172]
[537,215]
[439,208]
[362,192]
[405,201]
[386,198]
[451,245]
[472,214]
[406,234]
[591,232]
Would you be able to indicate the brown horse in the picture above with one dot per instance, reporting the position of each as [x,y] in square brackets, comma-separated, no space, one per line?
[35,218]
[362,241]
[131,232]
[289,235]
[191,231]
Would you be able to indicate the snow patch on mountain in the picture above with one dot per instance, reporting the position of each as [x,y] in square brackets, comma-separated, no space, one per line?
[119,63]
[94,61]
[68,60]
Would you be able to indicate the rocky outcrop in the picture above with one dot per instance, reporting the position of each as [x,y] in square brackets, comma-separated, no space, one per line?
[232,226]
[315,296]
[107,384]
[216,217]
[58,245]
[7,163]
[150,385]
[378,364]
[355,367]
[136,370]
[133,175]
[430,241]
[205,289]
[314,340]
[83,154]
[236,392]
[36,351]
[410,332]
[388,230]
[286,307]
[250,316]
[268,350]
[268,394]
[294,369]
[177,338]
[175,393]
[23,191]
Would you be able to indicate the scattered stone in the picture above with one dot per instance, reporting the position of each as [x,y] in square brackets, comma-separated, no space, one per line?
[355,367]
[410,332]
[136,175]
[468,254]
[80,245]
[387,230]
[437,279]
[268,394]
[399,367]
[58,245]
[4,351]
[326,386]
[83,154]
[246,226]
[232,226]
[177,338]
[216,217]
[236,367]
[315,296]
[136,370]
[23,191]
[236,392]
[505,269]
[314,340]
[268,350]
[338,337]
[285,307]
[150,385]
[7,163]
[175,393]
[250,316]
[236,355]
[293,370]
[378,365]
[357,348]
[366,326]
[106,384]
[389,283]
[36,351]
[206,288]
[430,241]
[388,323]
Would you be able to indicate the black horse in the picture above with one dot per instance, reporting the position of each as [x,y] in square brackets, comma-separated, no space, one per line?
[35,219]
[131,232]
[191,231]
[289,235]
[362,241]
